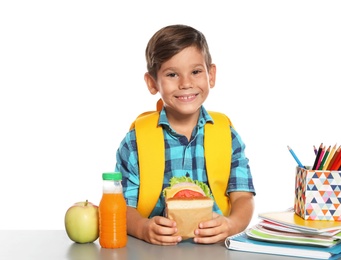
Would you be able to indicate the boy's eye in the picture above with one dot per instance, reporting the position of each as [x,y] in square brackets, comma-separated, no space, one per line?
[172,75]
[195,72]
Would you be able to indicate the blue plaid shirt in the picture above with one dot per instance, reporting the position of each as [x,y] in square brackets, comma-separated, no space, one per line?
[182,157]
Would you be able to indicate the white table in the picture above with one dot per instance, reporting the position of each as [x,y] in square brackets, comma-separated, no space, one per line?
[55,245]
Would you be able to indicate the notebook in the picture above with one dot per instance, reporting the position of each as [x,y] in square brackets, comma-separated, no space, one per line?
[260,232]
[290,219]
[241,242]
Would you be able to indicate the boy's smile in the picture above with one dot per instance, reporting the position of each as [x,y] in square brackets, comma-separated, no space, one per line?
[187,98]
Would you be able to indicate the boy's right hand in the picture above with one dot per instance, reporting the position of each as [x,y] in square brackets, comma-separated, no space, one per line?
[156,230]
[160,231]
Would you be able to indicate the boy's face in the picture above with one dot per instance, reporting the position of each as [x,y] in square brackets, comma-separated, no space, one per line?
[184,81]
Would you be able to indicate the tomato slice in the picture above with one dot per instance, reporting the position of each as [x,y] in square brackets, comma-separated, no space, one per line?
[187,194]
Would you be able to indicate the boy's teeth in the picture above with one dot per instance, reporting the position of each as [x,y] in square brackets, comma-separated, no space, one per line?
[186,97]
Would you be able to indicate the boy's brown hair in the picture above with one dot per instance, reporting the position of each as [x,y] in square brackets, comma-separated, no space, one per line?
[171,40]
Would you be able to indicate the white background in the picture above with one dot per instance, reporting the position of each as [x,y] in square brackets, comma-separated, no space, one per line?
[71,78]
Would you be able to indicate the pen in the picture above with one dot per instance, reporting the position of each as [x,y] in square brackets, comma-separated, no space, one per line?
[295,157]
[315,150]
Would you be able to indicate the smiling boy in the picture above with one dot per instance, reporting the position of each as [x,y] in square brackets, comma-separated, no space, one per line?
[181,71]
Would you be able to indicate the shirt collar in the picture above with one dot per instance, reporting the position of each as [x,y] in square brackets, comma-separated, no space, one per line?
[204,117]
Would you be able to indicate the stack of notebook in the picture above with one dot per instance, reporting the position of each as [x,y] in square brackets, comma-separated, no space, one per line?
[286,233]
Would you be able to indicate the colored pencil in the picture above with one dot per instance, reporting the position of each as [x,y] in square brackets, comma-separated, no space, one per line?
[331,154]
[333,159]
[338,165]
[315,150]
[295,157]
[325,156]
[317,156]
[336,161]
[320,158]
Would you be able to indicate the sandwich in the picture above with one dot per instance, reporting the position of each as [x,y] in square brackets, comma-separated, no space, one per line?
[188,203]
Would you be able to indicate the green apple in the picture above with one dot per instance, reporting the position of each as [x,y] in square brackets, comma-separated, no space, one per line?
[81,222]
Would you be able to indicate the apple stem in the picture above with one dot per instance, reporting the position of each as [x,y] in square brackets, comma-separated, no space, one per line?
[86,203]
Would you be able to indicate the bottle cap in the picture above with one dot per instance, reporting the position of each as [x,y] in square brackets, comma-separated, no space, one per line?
[113,176]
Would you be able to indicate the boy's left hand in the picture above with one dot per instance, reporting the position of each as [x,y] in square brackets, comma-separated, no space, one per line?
[212,231]
[220,227]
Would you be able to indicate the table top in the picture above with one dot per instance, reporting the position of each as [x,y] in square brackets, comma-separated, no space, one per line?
[56,245]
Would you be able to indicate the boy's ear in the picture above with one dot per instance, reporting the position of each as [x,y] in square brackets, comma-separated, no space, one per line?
[212,75]
[151,84]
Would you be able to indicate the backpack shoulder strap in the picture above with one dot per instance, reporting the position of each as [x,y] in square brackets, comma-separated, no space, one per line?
[218,153]
[150,149]
[159,106]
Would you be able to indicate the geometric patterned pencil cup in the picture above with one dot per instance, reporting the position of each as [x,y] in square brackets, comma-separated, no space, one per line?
[318,194]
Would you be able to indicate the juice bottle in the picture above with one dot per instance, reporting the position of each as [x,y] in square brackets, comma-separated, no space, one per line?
[112,213]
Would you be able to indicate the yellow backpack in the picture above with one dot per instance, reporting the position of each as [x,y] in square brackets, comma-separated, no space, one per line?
[151,155]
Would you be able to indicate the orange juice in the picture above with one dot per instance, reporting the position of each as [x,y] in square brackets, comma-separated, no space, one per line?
[112,213]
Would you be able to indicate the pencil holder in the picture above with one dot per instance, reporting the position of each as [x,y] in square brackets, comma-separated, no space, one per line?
[318,194]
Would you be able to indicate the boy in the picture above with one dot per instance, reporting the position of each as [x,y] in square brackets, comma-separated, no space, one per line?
[180,69]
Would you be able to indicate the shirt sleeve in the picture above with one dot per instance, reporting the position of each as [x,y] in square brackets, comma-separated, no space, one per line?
[127,164]
[240,175]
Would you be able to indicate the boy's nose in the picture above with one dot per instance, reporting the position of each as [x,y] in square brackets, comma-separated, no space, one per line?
[185,83]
